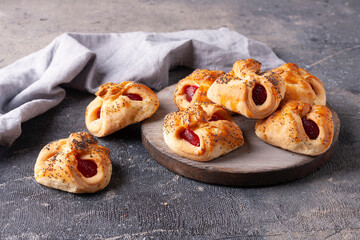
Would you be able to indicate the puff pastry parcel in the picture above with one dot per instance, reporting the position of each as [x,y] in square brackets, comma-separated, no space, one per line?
[119,105]
[298,127]
[194,88]
[76,164]
[246,91]
[301,85]
[201,135]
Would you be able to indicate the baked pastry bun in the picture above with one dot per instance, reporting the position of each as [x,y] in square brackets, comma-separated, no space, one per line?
[201,135]
[194,88]
[298,127]
[246,91]
[119,105]
[301,85]
[76,164]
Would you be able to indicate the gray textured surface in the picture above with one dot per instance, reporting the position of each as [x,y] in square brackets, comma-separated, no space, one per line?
[144,200]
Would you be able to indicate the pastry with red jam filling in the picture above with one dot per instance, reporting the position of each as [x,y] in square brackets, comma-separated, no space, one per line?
[119,105]
[202,135]
[76,164]
[247,91]
[194,88]
[298,127]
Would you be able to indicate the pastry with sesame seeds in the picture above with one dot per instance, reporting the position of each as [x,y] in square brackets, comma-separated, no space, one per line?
[202,135]
[194,87]
[247,91]
[301,85]
[76,164]
[119,105]
[298,127]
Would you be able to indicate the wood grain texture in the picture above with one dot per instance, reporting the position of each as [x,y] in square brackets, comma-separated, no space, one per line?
[256,163]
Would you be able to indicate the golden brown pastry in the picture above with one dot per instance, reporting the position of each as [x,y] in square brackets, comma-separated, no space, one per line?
[201,135]
[194,88]
[246,91]
[298,127]
[301,85]
[76,164]
[119,105]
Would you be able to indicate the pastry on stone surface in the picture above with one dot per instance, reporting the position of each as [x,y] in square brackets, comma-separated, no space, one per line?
[301,85]
[298,127]
[119,105]
[201,135]
[246,91]
[76,164]
[194,88]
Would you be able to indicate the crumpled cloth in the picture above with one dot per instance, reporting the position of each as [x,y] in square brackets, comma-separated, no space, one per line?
[30,86]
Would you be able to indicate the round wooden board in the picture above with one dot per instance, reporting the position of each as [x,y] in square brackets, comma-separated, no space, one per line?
[256,163]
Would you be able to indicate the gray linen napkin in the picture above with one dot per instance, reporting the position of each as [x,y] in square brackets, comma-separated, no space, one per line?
[30,86]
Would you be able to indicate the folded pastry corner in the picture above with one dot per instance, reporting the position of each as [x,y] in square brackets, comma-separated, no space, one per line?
[202,135]
[76,164]
[247,91]
[119,105]
[301,85]
[298,127]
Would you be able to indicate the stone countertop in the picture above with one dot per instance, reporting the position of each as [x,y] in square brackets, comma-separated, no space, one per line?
[146,201]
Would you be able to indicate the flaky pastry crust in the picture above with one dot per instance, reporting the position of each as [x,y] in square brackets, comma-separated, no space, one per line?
[113,110]
[216,137]
[235,90]
[301,85]
[57,165]
[285,129]
[202,79]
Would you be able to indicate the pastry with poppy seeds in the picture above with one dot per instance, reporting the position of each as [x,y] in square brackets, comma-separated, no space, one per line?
[298,127]
[194,87]
[119,105]
[201,135]
[76,164]
[301,85]
[247,91]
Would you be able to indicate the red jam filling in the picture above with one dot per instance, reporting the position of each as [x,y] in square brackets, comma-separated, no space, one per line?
[87,168]
[191,137]
[259,94]
[133,96]
[99,113]
[190,91]
[311,128]
[216,117]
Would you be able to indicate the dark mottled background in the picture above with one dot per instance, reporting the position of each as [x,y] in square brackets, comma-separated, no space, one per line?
[146,201]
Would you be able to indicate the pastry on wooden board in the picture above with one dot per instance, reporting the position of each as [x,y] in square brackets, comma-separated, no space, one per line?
[201,135]
[119,105]
[298,127]
[247,91]
[76,164]
[194,87]
[301,85]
